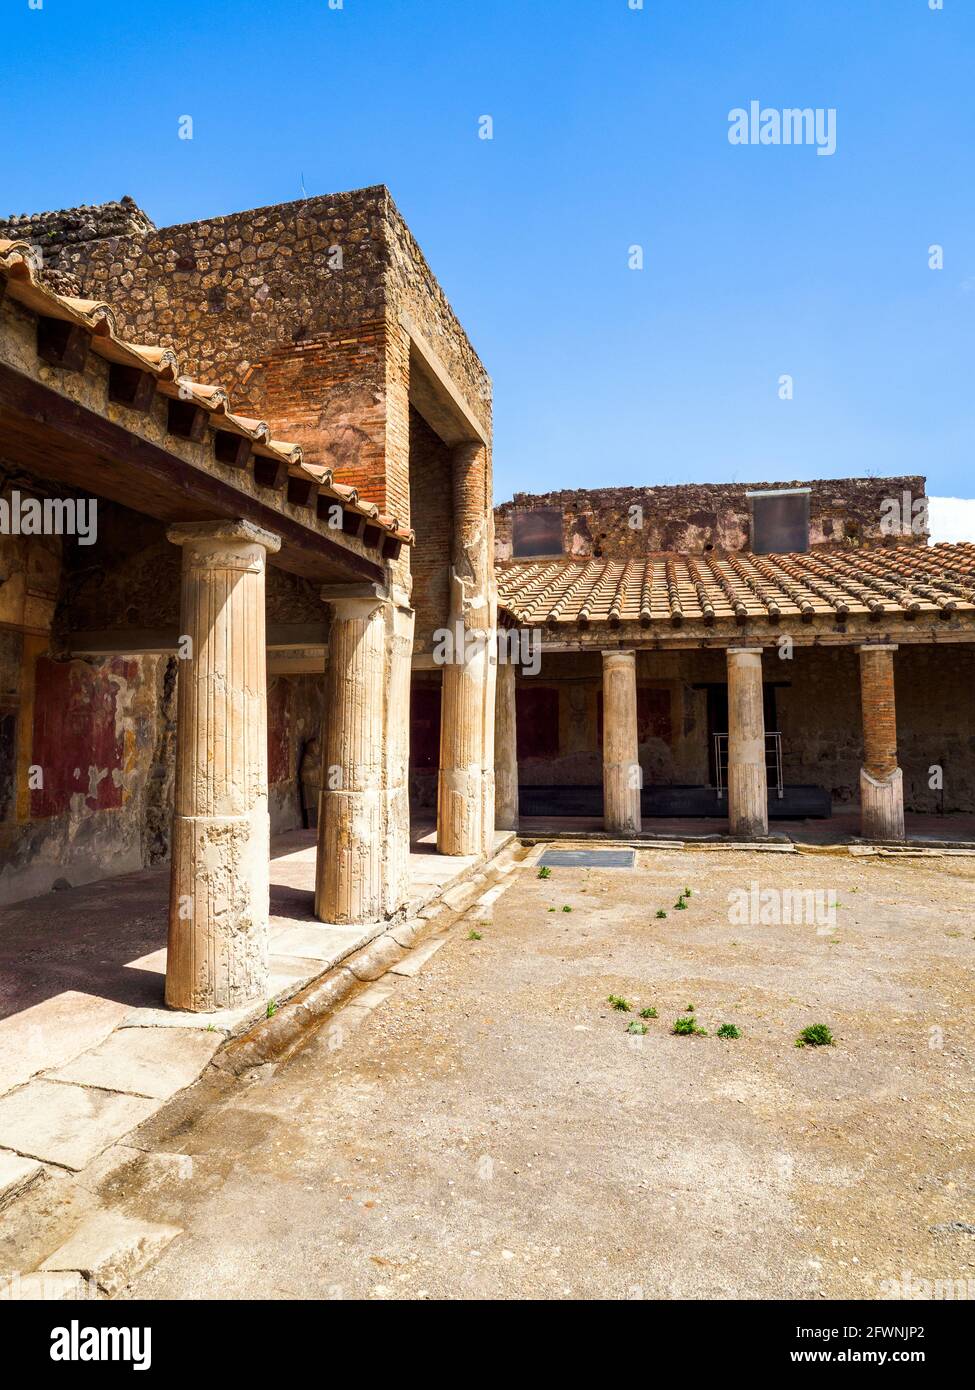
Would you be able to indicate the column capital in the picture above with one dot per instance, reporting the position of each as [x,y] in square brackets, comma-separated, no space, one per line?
[745,651]
[357,600]
[619,654]
[877,647]
[222,531]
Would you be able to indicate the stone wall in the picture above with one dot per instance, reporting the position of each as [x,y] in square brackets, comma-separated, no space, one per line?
[627,522]
[432,510]
[297,309]
[87,746]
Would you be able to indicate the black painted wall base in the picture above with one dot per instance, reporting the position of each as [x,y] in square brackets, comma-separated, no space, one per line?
[796,803]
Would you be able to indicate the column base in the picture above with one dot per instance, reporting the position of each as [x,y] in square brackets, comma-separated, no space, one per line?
[621,803]
[218,915]
[460,804]
[748,801]
[352,857]
[882,805]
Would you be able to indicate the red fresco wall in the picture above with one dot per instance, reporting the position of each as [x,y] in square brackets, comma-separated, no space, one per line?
[74,731]
[278,733]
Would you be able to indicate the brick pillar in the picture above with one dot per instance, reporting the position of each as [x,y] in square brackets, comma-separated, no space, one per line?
[621,756]
[506,750]
[881,780]
[217,957]
[466,791]
[362,870]
[747,777]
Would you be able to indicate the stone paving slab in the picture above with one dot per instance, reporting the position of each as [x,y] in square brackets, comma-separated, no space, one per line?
[324,943]
[111,1248]
[50,1287]
[52,1032]
[154,1062]
[67,1124]
[285,977]
[16,1174]
[417,959]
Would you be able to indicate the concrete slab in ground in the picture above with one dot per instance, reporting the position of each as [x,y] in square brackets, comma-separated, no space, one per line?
[111,1248]
[52,1032]
[16,1175]
[67,1125]
[144,1061]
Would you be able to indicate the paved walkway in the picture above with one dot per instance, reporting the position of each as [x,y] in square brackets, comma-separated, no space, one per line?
[88,1049]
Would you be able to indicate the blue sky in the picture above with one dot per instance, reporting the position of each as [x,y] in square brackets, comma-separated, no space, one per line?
[610,129]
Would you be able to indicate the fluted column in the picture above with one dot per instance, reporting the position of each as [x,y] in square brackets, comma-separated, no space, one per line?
[881,780]
[400,619]
[465,788]
[747,776]
[217,957]
[621,754]
[506,750]
[352,855]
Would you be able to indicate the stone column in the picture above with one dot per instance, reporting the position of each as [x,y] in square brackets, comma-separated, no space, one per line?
[218,912]
[621,754]
[465,795]
[400,619]
[747,777]
[352,864]
[881,780]
[506,750]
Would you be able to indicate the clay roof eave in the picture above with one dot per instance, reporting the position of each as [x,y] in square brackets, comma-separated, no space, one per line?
[20,266]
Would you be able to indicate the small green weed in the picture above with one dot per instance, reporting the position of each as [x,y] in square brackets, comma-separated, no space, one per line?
[815,1035]
[684,1027]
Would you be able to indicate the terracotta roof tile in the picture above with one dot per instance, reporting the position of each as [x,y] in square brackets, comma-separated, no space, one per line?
[903,580]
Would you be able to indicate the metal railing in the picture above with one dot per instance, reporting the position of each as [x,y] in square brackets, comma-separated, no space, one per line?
[773,763]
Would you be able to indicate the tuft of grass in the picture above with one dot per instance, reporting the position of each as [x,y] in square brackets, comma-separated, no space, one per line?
[272,1008]
[634,1027]
[688,1008]
[566,909]
[680,905]
[649,1013]
[473,935]
[728,1030]
[545,872]
[685,1027]
[618,1002]
[815,1035]
[660,912]
[686,893]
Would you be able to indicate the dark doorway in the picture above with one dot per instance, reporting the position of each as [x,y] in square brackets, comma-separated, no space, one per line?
[718,719]
[424,749]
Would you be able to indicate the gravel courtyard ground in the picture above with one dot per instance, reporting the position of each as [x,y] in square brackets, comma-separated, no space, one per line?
[491,1130]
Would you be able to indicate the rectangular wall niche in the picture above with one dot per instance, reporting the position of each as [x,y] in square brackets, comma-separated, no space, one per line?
[536,532]
[780,521]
